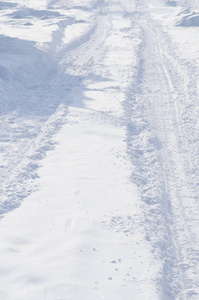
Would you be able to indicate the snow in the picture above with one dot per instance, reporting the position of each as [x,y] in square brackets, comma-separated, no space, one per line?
[188,19]
[99,150]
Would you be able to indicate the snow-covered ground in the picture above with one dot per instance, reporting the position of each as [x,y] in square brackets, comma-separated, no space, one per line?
[99,148]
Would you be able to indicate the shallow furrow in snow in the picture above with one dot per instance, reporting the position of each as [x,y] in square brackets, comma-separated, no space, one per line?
[18,180]
[35,92]
[158,147]
[144,148]
[80,60]
[182,175]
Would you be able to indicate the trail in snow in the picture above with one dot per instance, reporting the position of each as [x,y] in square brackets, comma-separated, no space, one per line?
[161,148]
[83,232]
[158,148]
[111,211]
[35,92]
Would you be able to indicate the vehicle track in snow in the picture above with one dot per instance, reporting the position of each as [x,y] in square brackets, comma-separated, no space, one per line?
[34,99]
[20,172]
[166,122]
[35,105]
[79,61]
[161,149]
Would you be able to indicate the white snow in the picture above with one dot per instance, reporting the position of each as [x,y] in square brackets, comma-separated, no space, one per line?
[99,150]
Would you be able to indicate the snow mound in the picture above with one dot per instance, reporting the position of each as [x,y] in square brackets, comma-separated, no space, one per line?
[4,5]
[188,19]
[171,3]
[29,78]
[29,12]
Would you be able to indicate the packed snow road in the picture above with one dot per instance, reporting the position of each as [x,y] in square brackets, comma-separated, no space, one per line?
[99,150]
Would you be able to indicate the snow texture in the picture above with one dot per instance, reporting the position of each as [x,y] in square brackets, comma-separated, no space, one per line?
[99,149]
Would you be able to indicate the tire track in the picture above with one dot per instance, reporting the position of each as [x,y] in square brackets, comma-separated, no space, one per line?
[20,176]
[160,152]
[175,155]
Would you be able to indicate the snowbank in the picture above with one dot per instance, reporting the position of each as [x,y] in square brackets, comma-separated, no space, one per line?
[188,19]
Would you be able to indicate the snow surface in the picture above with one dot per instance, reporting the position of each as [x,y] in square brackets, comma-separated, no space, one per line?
[99,149]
